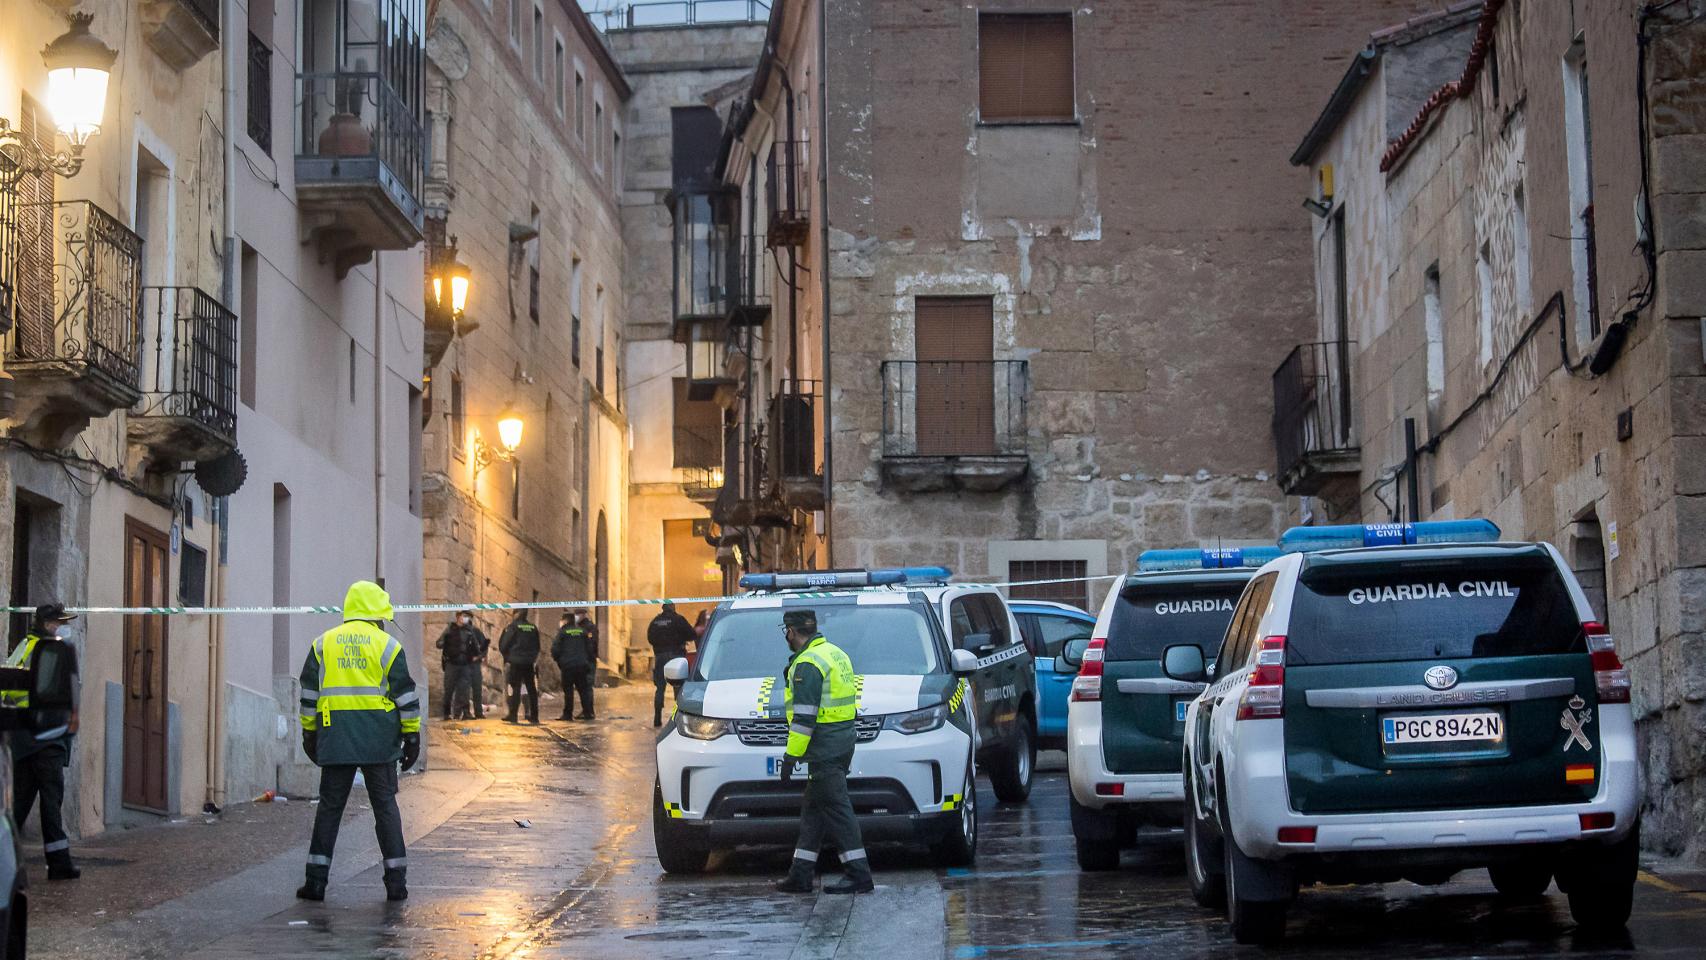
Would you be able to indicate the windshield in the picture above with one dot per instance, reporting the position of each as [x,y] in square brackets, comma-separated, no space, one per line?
[1150,617]
[888,639]
[1429,610]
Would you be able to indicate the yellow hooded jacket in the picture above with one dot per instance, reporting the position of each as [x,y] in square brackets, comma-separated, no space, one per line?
[356,690]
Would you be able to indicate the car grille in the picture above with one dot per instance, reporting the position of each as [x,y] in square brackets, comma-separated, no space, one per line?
[774,733]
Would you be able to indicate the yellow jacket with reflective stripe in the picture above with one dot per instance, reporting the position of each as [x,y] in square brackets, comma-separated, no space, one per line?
[829,697]
[20,658]
[358,696]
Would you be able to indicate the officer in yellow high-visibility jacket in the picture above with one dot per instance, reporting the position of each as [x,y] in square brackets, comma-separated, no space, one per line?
[360,712]
[41,753]
[822,702]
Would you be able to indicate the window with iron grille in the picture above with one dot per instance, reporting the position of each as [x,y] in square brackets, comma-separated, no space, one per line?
[260,93]
[1025,70]
[533,294]
[1076,592]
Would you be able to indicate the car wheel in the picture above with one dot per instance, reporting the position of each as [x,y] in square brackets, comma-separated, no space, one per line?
[1602,885]
[1522,880]
[959,847]
[1253,921]
[677,852]
[1205,866]
[17,926]
[1095,836]
[1012,776]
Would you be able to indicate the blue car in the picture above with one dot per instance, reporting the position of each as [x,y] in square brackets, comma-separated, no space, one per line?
[1047,627]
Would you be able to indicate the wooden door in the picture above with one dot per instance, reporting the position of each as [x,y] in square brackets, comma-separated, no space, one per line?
[955,350]
[146,580]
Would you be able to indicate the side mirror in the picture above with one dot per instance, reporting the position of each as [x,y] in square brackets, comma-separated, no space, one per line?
[677,670]
[1071,657]
[1184,662]
[962,662]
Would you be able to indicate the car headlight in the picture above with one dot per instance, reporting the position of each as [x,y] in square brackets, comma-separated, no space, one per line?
[917,721]
[699,727]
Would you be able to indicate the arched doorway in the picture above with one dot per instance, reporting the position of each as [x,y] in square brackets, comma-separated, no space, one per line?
[601,580]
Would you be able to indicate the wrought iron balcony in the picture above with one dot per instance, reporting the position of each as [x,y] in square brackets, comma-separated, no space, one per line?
[955,424]
[1314,425]
[8,241]
[359,157]
[74,347]
[180,31]
[260,93]
[787,193]
[796,471]
[750,305]
[189,376]
[680,13]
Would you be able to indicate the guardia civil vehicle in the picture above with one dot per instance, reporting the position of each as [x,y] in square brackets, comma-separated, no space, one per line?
[1125,719]
[1408,701]
[945,683]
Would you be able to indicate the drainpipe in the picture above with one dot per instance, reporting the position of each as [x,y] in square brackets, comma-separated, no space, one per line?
[823,272]
[379,417]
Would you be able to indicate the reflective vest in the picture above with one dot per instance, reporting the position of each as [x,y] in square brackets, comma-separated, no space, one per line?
[20,658]
[839,702]
[354,661]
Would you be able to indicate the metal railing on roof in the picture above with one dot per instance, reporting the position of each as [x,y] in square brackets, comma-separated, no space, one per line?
[680,13]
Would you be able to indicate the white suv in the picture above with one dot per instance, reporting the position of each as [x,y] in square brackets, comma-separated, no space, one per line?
[945,683]
[1432,702]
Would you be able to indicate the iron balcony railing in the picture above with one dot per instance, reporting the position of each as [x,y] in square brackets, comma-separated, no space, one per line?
[350,121]
[787,193]
[936,408]
[79,305]
[8,239]
[750,306]
[697,447]
[260,93]
[681,13]
[1312,403]
[190,358]
[793,429]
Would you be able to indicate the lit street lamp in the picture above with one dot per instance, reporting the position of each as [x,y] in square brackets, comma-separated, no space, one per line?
[78,67]
[509,439]
[447,270]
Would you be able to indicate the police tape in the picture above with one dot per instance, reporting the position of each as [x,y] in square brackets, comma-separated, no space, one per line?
[534,604]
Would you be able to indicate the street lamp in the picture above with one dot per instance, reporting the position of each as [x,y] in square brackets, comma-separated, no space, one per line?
[509,439]
[509,429]
[78,67]
[447,270]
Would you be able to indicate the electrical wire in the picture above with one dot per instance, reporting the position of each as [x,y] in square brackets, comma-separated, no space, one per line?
[102,471]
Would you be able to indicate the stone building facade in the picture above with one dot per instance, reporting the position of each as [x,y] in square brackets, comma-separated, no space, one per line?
[1521,280]
[527,124]
[1054,304]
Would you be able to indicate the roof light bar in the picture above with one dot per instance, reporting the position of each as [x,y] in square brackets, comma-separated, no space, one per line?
[843,579]
[1153,561]
[1309,539]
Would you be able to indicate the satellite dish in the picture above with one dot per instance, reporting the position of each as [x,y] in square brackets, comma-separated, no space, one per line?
[223,476]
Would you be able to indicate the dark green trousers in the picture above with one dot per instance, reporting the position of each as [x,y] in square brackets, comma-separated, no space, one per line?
[827,815]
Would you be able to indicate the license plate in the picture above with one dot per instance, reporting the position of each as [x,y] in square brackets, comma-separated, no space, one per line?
[1179,710]
[1488,727]
[773,767]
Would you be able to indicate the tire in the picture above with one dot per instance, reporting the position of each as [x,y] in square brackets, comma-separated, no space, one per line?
[959,847]
[1011,776]
[677,852]
[1602,889]
[1523,880]
[1205,863]
[1253,921]
[1095,856]
[17,926]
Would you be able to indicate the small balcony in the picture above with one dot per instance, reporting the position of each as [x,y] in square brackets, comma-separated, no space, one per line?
[747,498]
[1314,424]
[358,166]
[750,305]
[188,409]
[787,193]
[74,348]
[954,424]
[180,31]
[796,471]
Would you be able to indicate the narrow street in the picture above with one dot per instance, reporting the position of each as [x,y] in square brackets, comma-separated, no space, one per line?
[580,880]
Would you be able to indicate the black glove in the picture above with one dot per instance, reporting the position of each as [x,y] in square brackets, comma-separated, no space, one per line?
[788,764]
[411,749]
[311,745]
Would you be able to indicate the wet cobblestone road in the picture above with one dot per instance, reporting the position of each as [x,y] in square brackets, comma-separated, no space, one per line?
[581,881]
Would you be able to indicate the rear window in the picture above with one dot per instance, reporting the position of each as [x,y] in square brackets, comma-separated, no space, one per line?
[1432,610]
[1151,617]
[887,639]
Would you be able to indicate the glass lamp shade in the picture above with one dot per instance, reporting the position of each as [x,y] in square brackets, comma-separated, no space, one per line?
[509,430]
[458,289]
[78,67]
[438,291]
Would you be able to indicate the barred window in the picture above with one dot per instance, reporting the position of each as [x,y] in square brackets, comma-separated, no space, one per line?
[1077,592]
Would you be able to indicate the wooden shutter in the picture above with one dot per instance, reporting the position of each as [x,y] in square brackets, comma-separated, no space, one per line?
[1025,67]
[955,350]
[35,243]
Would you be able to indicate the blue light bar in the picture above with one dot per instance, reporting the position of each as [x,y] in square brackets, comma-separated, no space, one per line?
[843,579]
[1308,539]
[1153,561]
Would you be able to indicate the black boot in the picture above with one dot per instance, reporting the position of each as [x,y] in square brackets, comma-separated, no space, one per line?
[61,867]
[801,877]
[396,885]
[851,884]
[313,886]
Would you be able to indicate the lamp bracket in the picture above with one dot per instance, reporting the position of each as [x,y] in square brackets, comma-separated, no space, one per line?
[32,159]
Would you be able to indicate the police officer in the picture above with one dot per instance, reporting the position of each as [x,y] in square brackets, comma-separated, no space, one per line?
[464,649]
[821,703]
[669,634]
[575,649]
[519,646]
[360,712]
[41,754]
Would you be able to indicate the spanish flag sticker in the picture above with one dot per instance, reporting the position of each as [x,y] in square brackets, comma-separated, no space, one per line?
[1579,773]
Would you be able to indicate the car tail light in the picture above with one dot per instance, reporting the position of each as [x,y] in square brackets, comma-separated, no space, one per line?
[1296,834]
[1264,696]
[1609,673]
[1110,789]
[1088,684]
[1598,821]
